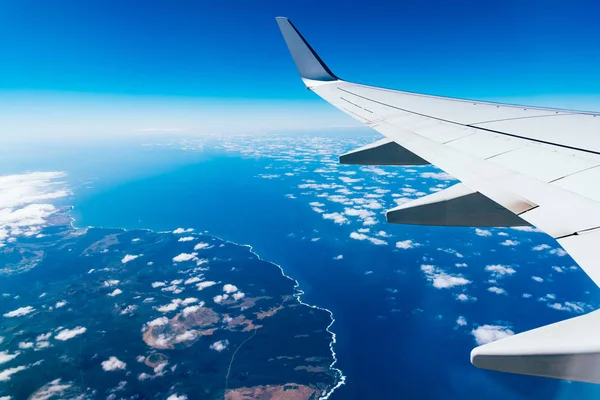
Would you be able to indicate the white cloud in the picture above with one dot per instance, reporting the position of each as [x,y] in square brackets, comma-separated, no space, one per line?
[6,357]
[158,284]
[194,279]
[189,300]
[67,334]
[18,216]
[497,290]
[220,298]
[482,232]
[60,304]
[129,310]
[184,257]
[186,239]
[527,295]
[175,396]
[238,295]
[369,221]
[489,333]
[172,306]
[540,247]
[362,236]
[19,312]
[373,205]
[499,270]
[18,190]
[111,282]
[461,321]
[451,251]
[406,244]
[338,257]
[436,175]
[26,345]
[7,373]
[229,288]
[525,229]
[220,345]
[358,212]
[115,292]
[442,280]
[190,309]
[570,306]
[205,284]
[33,215]
[346,179]
[337,218]
[402,200]
[50,390]
[537,279]
[547,297]
[558,251]
[464,298]
[182,230]
[201,245]
[42,344]
[159,321]
[113,364]
[509,242]
[129,257]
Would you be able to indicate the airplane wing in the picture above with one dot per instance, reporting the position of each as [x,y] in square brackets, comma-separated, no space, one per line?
[517,166]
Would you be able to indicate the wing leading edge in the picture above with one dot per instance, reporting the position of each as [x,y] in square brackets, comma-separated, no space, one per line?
[518,165]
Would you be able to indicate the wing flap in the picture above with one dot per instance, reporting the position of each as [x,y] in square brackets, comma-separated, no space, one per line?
[382,152]
[457,205]
[565,350]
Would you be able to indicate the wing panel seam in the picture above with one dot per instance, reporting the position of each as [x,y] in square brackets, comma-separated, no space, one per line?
[476,127]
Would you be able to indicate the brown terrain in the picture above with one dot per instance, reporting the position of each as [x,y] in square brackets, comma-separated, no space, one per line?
[178,333]
[269,313]
[289,391]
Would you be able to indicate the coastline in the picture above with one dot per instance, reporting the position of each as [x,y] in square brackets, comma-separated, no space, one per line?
[341,379]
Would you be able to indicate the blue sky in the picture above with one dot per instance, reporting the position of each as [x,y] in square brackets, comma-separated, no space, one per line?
[230,53]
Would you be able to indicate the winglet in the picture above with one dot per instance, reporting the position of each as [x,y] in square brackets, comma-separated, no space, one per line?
[309,64]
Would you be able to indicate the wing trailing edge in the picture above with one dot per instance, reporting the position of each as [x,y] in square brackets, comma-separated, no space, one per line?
[457,205]
[565,350]
[382,152]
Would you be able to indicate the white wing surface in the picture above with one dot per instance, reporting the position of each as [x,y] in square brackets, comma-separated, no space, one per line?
[518,166]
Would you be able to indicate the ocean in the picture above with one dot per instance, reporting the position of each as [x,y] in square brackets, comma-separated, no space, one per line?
[397,334]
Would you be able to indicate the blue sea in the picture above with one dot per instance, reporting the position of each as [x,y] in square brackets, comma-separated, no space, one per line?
[397,334]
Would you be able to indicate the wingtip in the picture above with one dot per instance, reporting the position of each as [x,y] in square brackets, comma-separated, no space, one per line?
[474,357]
[309,64]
